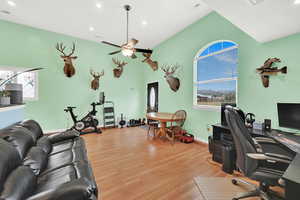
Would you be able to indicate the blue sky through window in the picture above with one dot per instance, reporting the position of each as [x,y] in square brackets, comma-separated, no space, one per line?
[217,47]
[223,65]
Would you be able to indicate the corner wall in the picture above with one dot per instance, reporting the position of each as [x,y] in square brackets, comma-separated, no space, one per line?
[23,46]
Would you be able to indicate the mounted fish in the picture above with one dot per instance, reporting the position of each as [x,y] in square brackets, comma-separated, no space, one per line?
[69,69]
[119,69]
[149,61]
[95,81]
[170,70]
[267,70]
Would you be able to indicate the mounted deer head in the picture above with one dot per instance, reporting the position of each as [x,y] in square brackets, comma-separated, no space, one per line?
[119,69]
[95,81]
[69,69]
[149,61]
[173,82]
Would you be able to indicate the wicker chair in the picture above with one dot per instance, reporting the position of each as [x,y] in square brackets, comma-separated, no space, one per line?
[152,124]
[175,128]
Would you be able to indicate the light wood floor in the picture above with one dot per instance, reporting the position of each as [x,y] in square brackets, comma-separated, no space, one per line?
[128,166]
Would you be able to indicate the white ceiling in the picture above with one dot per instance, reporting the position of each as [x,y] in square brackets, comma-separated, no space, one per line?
[74,17]
[266,21]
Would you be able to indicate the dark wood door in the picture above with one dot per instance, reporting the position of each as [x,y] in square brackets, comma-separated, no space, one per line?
[152,97]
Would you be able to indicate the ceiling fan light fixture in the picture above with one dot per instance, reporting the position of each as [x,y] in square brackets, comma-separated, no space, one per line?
[127,52]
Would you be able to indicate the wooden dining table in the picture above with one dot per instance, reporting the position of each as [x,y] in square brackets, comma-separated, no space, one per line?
[163,118]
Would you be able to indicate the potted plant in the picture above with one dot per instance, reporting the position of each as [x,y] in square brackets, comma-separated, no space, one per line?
[4,98]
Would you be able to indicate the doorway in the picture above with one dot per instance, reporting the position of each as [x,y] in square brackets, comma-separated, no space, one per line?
[152,97]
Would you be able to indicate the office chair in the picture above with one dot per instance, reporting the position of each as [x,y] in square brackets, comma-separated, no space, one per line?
[251,160]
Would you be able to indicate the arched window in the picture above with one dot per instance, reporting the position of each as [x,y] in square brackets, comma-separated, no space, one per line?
[215,75]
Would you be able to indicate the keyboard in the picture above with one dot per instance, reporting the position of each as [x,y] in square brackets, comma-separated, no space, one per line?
[289,140]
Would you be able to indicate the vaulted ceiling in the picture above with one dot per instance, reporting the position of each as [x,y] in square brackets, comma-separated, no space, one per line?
[265,21]
[153,21]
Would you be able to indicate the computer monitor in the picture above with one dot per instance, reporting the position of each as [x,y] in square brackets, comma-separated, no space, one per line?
[289,115]
[101,98]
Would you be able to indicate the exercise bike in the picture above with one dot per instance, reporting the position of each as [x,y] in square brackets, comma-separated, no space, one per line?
[87,121]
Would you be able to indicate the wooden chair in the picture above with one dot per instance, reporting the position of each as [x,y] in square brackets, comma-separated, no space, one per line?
[175,128]
[152,124]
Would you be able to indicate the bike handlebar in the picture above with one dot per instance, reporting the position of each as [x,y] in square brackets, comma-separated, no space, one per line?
[69,108]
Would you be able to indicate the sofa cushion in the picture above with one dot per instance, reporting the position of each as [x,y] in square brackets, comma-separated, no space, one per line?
[70,173]
[45,144]
[20,138]
[19,184]
[36,159]
[9,160]
[34,128]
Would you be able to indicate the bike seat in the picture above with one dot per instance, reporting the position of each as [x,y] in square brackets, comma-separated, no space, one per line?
[71,107]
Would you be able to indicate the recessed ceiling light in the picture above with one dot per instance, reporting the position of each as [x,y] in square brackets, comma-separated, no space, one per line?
[91,28]
[144,22]
[98,5]
[11,3]
[297,2]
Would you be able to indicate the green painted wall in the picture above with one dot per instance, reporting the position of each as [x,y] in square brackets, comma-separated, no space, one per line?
[252,96]
[22,46]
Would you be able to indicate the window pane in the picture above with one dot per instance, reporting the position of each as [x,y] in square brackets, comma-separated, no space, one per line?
[205,52]
[216,93]
[5,75]
[215,47]
[223,65]
[228,45]
[28,82]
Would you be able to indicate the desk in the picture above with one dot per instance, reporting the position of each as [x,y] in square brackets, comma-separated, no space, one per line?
[163,118]
[222,136]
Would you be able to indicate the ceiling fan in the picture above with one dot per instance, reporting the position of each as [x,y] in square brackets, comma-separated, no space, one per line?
[128,49]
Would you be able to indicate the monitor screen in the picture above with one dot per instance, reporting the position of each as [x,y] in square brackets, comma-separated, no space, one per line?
[289,115]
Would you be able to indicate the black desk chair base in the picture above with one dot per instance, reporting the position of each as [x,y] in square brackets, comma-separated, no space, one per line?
[261,191]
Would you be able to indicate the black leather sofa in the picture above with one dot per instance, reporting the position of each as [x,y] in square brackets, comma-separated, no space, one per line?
[35,166]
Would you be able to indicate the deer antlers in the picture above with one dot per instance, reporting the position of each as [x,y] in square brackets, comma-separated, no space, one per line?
[61,48]
[119,63]
[96,74]
[170,69]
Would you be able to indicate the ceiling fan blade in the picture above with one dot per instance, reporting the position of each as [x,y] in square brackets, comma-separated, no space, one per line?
[115,52]
[144,50]
[111,44]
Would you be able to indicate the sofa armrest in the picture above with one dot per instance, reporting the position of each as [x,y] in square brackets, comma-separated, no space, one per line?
[75,190]
[66,135]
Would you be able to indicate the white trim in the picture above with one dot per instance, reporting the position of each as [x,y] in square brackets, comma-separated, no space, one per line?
[207,108]
[9,108]
[197,139]
[216,80]
[209,44]
[217,52]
